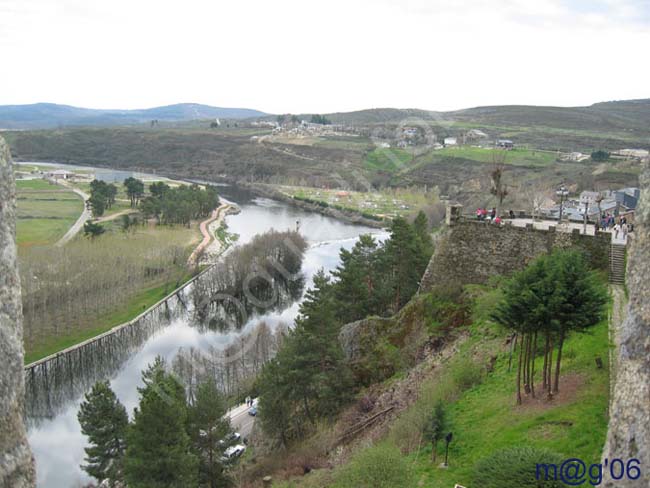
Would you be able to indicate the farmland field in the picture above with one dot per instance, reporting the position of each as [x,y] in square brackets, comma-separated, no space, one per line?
[45,212]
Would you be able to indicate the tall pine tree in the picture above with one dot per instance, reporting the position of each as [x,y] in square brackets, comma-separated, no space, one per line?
[208,426]
[158,447]
[104,421]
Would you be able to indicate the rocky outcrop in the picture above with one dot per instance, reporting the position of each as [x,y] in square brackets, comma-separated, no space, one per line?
[629,420]
[16,463]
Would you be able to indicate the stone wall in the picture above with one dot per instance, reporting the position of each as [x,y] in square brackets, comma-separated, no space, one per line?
[471,252]
[629,419]
[16,463]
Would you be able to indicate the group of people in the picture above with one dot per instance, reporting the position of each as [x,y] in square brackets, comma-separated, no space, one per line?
[249,401]
[618,225]
[483,215]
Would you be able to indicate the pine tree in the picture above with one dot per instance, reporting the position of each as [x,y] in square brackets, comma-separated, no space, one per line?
[104,421]
[207,428]
[436,427]
[405,262]
[158,452]
[357,275]
[309,378]
[421,228]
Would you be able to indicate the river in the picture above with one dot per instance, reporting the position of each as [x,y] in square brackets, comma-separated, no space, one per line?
[56,438]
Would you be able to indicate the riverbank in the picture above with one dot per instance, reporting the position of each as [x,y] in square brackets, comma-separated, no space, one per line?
[349,216]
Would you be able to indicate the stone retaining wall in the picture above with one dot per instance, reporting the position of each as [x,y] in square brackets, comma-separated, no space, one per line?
[469,251]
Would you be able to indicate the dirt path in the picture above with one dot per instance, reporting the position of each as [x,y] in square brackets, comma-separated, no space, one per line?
[217,216]
[108,218]
[83,218]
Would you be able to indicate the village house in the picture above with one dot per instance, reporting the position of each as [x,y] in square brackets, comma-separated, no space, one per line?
[505,144]
[60,174]
[450,141]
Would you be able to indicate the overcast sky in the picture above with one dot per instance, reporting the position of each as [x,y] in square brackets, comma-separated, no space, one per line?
[323,55]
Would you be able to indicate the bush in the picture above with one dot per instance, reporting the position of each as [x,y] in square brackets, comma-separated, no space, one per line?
[376,467]
[515,467]
[466,374]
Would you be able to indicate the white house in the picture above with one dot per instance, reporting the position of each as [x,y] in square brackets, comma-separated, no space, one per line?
[451,141]
[60,174]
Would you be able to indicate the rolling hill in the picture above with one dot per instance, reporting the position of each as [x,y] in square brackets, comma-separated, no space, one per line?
[50,115]
[615,115]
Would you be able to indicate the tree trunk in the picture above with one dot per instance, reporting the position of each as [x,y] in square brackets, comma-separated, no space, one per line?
[521,353]
[549,383]
[513,345]
[545,367]
[532,368]
[527,365]
[556,385]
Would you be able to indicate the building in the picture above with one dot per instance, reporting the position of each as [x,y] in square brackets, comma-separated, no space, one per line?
[574,156]
[505,144]
[60,174]
[450,141]
[637,154]
[474,136]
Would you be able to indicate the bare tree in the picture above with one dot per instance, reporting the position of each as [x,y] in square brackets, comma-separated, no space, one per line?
[499,189]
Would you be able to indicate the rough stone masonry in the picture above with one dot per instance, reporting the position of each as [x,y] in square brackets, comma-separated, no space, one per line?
[629,419]
[16,462]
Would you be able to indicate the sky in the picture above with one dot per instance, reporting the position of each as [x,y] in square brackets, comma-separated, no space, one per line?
[322,56]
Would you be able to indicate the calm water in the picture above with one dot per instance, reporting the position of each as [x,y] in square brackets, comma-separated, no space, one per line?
[58,443]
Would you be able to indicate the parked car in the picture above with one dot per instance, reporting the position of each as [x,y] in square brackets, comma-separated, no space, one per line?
[252,411]
[230,439]
[233,452]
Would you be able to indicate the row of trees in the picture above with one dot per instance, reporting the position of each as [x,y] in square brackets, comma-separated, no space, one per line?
[309,378]
[557,294]
[179,205]
[170,441]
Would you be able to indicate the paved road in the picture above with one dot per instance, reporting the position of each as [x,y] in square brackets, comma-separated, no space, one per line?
[78,225]
[240,420]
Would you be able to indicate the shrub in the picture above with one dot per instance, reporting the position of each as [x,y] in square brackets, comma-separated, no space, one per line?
[466,374]
[515,467]
[376,467]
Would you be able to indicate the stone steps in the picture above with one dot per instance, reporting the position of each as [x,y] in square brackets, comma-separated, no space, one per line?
[617,264]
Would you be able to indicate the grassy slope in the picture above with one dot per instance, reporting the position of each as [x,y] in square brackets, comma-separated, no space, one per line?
[484,418]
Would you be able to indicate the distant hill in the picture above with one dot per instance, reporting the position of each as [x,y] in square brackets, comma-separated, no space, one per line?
[616,115]
[50,115]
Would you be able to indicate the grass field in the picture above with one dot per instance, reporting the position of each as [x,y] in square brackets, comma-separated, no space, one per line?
[45,212]
[387,159]
[517,157]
